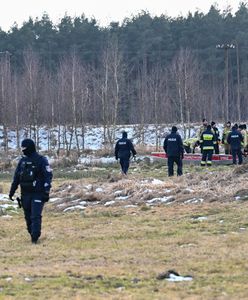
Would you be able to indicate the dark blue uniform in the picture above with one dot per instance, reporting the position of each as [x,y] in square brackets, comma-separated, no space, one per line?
[173,146]
[35,192]
[123,150]
[235,139]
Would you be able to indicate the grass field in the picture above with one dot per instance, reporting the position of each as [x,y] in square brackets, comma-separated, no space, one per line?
[117,253]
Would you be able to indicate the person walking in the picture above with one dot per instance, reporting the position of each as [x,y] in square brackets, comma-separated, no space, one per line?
[173,147]
[207,144]
[34,176]
[235,140]
[123,149]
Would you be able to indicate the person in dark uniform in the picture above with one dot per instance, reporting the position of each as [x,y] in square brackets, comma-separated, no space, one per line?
[217,137]
[173,147]
[34,176]
[123,149]
[207,143]
[235,139]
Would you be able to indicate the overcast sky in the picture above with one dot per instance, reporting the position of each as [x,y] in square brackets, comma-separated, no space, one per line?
[104,11]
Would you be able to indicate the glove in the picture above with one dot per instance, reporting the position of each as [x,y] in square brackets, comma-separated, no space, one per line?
[45,197]
[11,196]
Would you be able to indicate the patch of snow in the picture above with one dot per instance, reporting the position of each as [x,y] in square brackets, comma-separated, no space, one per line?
[163,200]
[73,208]
[8,279]
[122,197]
[194,200]
[7,217]
[99,190]
[130,206]
[175,278]
[119,192]
[54,199]
[221,221]
[83,203]
[189,190]
[4,197]
[109,203]
[147,191]
[200,218]
[157,181]
[5,206]
[237,198]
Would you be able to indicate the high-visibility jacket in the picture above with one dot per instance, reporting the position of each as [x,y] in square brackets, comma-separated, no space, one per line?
[207,140]
[226,132]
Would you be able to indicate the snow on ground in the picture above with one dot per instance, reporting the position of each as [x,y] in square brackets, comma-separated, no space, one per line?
[93,136]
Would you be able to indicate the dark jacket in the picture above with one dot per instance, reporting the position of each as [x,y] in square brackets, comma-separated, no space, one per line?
[235,139]
[173,145]
[216,133]
[124,148]
[43,177]
[207,140]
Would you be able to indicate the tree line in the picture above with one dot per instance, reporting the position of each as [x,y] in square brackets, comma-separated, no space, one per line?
[145,70]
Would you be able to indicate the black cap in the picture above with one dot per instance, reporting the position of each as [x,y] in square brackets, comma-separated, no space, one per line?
[29,147]
[213,123]
[124,134]
[174,129]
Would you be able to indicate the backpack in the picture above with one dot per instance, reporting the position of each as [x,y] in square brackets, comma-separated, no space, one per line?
[28,175]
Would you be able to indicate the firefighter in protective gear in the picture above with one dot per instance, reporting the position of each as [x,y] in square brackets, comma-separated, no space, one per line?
[226,131]
[242,129]
[202,128]
[207,144]
[190,144]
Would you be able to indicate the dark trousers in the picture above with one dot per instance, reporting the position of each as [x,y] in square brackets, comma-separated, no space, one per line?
[124,162]
[207,157]
[235,153]
[216,149]
[33,205]
[178,161]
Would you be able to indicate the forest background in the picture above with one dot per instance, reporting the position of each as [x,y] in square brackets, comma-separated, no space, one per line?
[147,70]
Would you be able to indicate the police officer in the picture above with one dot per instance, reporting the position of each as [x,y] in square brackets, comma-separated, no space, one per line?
[235,140]
[34,176]
[123,149]
[217,137]
[207,144]
[173,147]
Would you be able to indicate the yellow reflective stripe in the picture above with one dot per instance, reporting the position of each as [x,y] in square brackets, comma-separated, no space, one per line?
[207,137]
[208,148]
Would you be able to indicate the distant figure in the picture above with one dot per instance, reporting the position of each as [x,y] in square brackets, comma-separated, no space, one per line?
[226,131]
[207,144]
[123,149]
[217,137]
[173,147]
[235,140]
[34,176]
[201,130]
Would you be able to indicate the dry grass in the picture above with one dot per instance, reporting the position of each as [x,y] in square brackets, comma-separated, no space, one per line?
[117,254]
